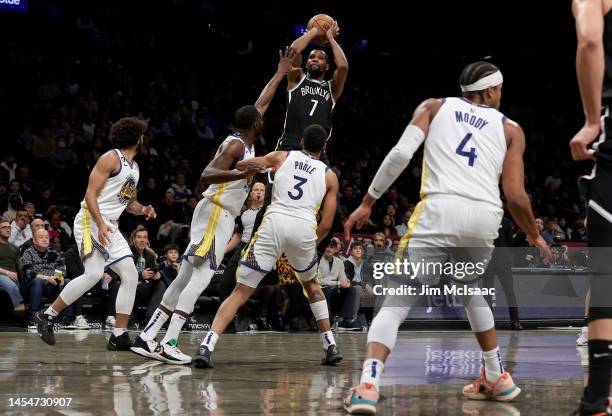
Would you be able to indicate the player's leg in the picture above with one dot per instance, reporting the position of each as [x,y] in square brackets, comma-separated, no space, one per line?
[94,269]
[595,397]
[583,338]
[258,259]
[126,270]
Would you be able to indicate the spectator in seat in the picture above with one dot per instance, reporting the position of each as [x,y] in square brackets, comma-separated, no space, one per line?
[39,264]
[179,189]
[35,225]
[550,234]
[387,227]
[56,229]
[151,288]
[337,288]
[20,228]
[357,270]
[402,229]
[31,208]
[580,232]
[169,268]
[15,202]
[9,267]
[566,232]
[8,168]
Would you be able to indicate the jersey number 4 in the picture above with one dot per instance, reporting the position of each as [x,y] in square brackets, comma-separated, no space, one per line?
[298,187]
[461,151]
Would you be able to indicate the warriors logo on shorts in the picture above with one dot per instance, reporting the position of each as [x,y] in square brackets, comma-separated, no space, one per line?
[127,190]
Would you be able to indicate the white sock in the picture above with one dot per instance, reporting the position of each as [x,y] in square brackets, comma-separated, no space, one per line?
[372,370]
[158,320]
[493,364]
[328,339]
[174,329]
[210,340]
[119,331]
[51,311]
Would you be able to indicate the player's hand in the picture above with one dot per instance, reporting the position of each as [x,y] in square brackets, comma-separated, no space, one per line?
[103,235]
[579,143]
[541,245]
[149,212]
[285,62]
[358,218]
[333,31]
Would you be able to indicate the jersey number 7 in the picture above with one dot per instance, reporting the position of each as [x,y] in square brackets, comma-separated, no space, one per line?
[471,155]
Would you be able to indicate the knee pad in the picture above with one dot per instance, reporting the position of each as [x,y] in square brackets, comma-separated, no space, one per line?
[319,310]
[480,317]
[385,326]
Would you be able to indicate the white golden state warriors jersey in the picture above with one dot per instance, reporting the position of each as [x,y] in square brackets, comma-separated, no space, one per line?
[118,189]
[464,151]
[299,186]
[231,195]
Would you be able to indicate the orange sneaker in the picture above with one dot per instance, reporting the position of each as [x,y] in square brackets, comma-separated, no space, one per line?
[502,390]
[362,400]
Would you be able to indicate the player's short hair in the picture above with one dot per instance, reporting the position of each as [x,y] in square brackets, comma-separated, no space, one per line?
[126,132]
[315,137]
[245,117]
[475,71]
[322,51]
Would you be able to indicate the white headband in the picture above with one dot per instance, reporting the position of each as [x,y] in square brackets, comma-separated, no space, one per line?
[491,80]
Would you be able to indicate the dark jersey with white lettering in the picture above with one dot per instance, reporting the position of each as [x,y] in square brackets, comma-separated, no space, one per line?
[310,102]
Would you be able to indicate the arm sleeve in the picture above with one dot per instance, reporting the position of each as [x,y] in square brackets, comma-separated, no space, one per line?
[397,160]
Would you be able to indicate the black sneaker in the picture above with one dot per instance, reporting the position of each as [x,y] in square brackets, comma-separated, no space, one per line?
[145,348]
[44,326]
[120,343]
[262,324]
[516,326]
[202,359]
[332,355]
[68,322]
[599,408]
[349,325]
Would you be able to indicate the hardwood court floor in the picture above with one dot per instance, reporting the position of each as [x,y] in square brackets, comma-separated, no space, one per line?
[280,374]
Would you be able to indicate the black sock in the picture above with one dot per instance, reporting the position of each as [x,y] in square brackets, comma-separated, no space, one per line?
[600,364]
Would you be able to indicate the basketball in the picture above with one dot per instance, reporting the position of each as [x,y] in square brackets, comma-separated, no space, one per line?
[323,22]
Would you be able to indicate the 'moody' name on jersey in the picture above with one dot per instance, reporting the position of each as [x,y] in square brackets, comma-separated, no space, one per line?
[472,120]
[315,91]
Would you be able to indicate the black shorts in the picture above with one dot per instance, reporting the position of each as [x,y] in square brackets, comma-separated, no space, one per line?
[597,187]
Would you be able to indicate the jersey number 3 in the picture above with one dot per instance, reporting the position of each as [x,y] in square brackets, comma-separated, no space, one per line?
[471,155]
[298,187]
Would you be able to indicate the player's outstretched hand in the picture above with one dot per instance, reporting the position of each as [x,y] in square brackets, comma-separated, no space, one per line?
[585,136]
[358,218]
[103,235]
[149,212]
[285,62]
[333,31]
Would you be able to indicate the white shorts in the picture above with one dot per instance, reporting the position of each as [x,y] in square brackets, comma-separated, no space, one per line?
[86,234]
[212,227]
[450,228]
[279,234]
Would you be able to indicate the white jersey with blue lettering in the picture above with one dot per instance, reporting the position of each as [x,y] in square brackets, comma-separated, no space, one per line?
[118,189]
[464,152]
[231,195]
[299,186]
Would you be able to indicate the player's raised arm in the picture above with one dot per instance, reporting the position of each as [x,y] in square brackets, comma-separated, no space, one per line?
[590,71]
[296,73]
[513,184]
[104,167]
[284,67]
[328,206]
[395,163]
[341,72]
[272,160]
[218,170]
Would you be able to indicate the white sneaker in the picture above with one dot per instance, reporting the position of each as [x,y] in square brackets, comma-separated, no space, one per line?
[583,338]
[110,321]
[172,355]
[81,323]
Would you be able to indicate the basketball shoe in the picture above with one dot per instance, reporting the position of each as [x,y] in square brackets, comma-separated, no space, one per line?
[362,400]
[502,390]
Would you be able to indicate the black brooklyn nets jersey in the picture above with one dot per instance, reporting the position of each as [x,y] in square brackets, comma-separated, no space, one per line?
[310,102]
